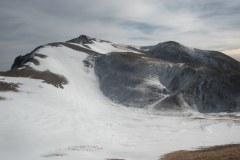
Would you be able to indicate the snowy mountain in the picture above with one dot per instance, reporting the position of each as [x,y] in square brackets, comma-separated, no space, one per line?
[93,99]
[164,76]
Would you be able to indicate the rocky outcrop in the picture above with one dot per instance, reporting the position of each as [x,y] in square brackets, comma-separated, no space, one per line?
[140,80]
[20,61]
[82,39]
[175,52]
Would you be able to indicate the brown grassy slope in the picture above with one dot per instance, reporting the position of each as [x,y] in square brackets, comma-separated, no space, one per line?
[76,47]
[4,86]
[47,76]
[225,152]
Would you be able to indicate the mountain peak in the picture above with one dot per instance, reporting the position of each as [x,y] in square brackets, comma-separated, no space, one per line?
[82,39]
[169,44]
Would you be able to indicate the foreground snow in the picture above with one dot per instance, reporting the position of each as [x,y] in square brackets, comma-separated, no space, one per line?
[78,122]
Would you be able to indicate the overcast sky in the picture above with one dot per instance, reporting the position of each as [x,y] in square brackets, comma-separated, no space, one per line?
[205,24]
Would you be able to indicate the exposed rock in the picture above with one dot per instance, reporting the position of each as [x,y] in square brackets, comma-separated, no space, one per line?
[178,53]
[138,81]
[21,60]
[82,39]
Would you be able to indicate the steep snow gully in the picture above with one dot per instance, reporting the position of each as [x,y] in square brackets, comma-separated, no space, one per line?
[93,99]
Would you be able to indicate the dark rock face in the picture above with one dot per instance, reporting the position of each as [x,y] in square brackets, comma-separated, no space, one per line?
[177,53]
[169,51]
[82,39]
[126,78]
[21,60]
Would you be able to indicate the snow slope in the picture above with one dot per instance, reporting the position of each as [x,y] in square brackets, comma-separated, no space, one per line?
[77,122]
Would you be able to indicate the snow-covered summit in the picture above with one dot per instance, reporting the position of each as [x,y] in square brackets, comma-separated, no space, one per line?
[155,76]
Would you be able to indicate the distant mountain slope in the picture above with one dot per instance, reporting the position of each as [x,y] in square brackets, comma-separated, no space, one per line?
[137,80]
[178,53]
[92,99]
[167,76]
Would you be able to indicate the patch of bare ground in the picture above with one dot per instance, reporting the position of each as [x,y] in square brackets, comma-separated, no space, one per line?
[134,56]
[47,76]
[75,47]
[40,55]
[4,86]
[34,61]
[224,152]
[86,46]
[2,98]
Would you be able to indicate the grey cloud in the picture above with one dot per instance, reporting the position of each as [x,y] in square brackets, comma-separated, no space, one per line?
[205,24]
[140,38]
[145,28]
